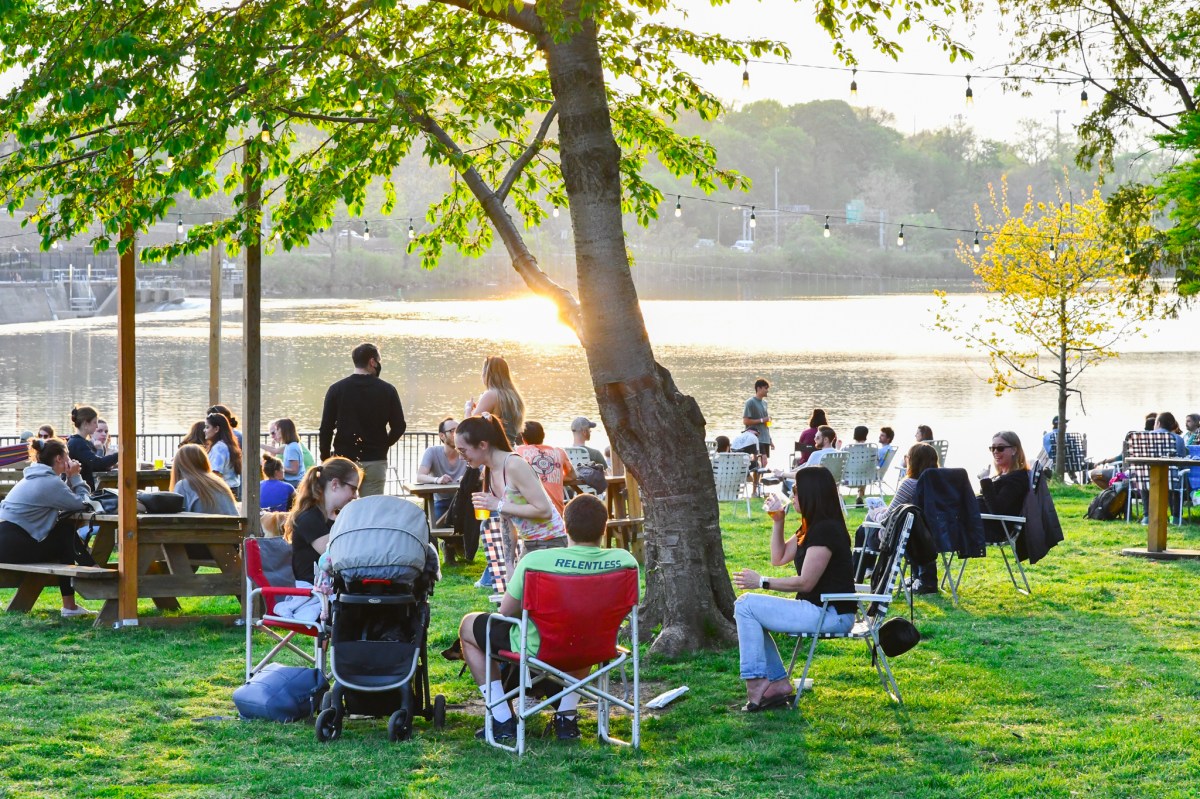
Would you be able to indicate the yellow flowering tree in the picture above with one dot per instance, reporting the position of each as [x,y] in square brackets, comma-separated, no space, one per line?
[1060,293]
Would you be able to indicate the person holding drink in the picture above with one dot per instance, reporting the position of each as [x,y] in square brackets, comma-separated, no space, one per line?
[511,490]
[820,550]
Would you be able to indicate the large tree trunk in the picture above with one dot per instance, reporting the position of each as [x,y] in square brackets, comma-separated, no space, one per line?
[658,431]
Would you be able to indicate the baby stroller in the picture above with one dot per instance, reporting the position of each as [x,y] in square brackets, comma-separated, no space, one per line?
[383,570]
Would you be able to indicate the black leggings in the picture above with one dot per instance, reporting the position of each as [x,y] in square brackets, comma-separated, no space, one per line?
[61,545]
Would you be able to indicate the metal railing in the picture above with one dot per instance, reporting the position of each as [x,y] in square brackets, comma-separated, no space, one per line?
[403,458]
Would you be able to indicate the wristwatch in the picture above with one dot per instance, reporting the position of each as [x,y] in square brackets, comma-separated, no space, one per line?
[764,583]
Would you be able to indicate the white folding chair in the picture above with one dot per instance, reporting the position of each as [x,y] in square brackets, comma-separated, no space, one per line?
[577,617]
[835,462]
[861,465]
[871,612]
[881,472]
[730,470]
[943,448]
[578,456]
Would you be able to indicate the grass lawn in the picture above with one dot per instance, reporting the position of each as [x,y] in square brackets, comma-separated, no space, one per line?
[1090,687]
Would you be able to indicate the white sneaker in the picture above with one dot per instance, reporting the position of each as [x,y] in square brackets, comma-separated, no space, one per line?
[78,610]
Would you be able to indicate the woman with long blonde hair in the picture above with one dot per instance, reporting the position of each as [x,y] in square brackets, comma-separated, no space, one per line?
[202,490]
[501,398]
[324,491]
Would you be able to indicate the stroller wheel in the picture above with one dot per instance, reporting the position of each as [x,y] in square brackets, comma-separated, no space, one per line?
[400,726]
[329,725]
[326,700]
[439,712]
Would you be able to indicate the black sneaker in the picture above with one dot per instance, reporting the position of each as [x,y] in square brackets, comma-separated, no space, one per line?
[566,728]
[501,730]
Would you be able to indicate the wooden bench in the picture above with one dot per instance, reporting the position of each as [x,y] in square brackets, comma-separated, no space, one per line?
[91,582]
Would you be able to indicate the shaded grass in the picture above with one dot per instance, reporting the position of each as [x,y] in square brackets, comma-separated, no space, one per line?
[1089,687]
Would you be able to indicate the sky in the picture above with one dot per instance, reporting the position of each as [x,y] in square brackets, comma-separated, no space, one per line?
[918,103]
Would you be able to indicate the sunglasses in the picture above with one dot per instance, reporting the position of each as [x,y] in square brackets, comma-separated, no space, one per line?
[999,449]
[43,435]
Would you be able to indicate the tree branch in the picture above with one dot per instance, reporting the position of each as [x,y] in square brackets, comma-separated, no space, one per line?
[522,16]
[525,157]
[1131,30]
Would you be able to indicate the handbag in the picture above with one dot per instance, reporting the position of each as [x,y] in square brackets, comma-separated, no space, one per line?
[897,636]
[104,501]
[160,501]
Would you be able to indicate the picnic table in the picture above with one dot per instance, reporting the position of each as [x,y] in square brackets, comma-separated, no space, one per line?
[146,478]
[625,520]
[450,540]
[1158,509]
[171,548]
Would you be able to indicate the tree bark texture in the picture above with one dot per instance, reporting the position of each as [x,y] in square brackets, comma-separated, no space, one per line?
[657,430]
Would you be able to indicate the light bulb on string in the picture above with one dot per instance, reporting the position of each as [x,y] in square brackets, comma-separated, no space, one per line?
[1128,256]
[179,225]
[1053,250]
[678,206]
[826,232]
[637,66]
[970,93]
[366,231]
[745,74]
[853,83]
[900,237]
[265,135]
[975,244]
[554,213]
[753,221]
[412,234]
[1083,103]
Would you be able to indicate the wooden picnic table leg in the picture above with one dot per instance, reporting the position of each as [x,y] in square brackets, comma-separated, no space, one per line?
[1157,509]
[28,592]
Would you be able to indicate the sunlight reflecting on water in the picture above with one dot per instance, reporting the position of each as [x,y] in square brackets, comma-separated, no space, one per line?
[870,360]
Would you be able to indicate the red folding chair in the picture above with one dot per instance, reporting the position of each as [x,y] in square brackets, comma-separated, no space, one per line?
[269,576]
[577,617]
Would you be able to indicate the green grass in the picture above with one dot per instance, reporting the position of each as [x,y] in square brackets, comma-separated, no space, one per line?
[1091,687]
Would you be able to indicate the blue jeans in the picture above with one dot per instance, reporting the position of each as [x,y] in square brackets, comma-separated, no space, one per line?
[758,615]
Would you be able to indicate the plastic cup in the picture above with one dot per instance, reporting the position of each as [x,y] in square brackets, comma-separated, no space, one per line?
[482,513]
[158,463]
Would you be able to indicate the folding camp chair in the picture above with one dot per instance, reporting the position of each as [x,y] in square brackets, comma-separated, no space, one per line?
[835,462]
[872,607]
[578,456]
[578,617]
[1150,445]
[1075,460]
[730,470]
[861,466]
[943,449]
[947,501]
[881,472]
[269,577]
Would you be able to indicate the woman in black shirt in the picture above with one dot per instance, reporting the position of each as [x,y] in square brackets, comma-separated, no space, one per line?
[324,491]
[820,550]
[1003,494]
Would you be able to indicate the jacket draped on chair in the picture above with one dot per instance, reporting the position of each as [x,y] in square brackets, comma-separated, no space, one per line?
[951,511]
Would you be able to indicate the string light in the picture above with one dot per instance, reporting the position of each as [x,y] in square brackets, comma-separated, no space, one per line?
[854,83]
[1128,256]
[900,237]
[975,244]
[366,231]
[970,93]
[637,66]
[678,207]
[265,135]
[745,74]
[554,213]
[179,225]
[826,232]
[1053,250]
[753,221]
[1083,94]
[412,234]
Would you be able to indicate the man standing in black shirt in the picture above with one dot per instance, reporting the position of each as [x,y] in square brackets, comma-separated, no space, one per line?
[368,418]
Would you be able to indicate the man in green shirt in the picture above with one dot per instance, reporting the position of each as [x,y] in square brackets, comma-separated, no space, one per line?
[585,517]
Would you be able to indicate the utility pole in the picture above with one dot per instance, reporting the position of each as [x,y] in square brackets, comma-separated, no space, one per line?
[1058,112]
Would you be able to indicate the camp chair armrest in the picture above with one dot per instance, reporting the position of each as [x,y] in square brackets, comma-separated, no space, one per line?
[995,517]
[870,525]
[855,598]
[281,591]
[501,617]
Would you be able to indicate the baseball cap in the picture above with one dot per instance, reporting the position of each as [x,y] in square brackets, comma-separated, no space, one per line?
[1055,422]
[582,423]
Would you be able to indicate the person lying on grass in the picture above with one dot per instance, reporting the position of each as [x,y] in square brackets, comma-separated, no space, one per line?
[585,517]
[820,549]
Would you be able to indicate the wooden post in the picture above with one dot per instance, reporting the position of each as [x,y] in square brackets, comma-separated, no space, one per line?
[252,340]
[214,324]
[127,458]
[1158,510]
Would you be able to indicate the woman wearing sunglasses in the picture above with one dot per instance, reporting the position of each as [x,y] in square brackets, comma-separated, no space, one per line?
[1005,489]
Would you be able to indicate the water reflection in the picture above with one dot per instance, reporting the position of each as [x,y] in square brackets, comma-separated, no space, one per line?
[869,360]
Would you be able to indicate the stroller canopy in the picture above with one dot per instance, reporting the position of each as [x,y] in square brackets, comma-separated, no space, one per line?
[379,537]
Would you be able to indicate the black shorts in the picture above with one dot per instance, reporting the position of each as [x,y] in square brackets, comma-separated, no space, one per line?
[499,630]
[764,449]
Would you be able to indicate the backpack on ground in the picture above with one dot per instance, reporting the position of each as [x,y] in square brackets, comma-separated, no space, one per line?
[1109,504]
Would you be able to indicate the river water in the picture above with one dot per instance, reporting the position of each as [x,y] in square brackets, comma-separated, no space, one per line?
[871,360]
